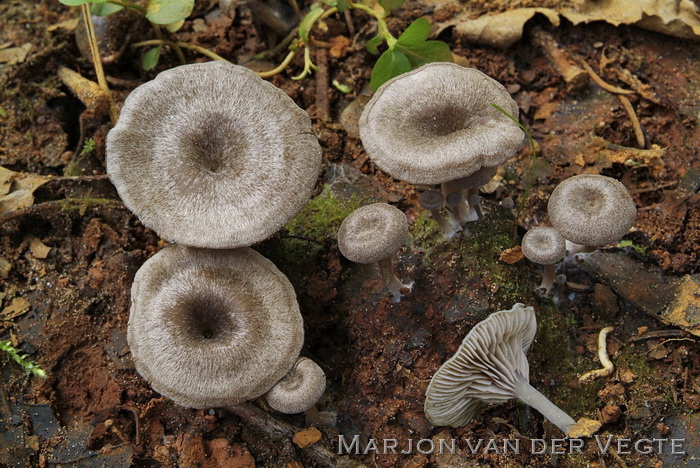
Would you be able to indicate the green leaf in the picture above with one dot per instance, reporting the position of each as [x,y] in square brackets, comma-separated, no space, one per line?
[373,44]
[389,5]
[168,11]
[391,63]
[343,5]
[175,27]
[416,33]
[425,52]
[105,9]
[150,58]
[308,22]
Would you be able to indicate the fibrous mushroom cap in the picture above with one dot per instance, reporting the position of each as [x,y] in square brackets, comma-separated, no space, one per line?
[210,155]
[436,124]
[543,245]
[372,233]
[299,390]
[591,210]
[213,328]
[431,200]
[479,178]
[485,368]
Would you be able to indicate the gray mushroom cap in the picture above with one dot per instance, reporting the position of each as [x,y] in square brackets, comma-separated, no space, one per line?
[300,389]
[431,200]
[436,124]
[372,233]
[210,155]
[591,210]
[479,178]
[212,328]
[485,369]
[543,245]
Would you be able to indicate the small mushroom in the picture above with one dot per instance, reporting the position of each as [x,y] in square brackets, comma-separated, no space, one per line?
[299,390]
[544,246]
[591,211]
[470,185]
[490,367]
[433,201]
[212,328]
[374,233]
[210,155]
[437,123]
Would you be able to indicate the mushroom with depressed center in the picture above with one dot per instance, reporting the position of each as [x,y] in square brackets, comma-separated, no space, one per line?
[591,211]
[436,124]
[210,155]
[490,367]
[211,328]
[373,234]
[545,246]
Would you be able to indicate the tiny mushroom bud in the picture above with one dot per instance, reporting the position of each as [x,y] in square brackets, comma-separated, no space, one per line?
[433,200]
[210,155]
[299,390]
[591,211]
[374,233]
[545,246]
[437,123]
[490,367]
[213,328]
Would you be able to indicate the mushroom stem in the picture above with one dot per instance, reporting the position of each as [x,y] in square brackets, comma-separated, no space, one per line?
[449,226]
[530,396]
[393,284]
[548,275]
[474,201]
[572,248]
[320,418]
[455,201]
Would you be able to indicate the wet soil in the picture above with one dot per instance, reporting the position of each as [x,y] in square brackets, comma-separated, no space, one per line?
[95,410]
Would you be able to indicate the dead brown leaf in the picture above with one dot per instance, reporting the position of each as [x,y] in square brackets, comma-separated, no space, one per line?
[38,248]
[17,307]
[307,437]
[511,256]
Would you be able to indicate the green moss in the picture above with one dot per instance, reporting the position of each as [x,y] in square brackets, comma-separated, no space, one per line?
[321,217]
[426,234]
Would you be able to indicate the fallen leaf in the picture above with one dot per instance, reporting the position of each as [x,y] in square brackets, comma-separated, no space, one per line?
[21,189]
[17,307]
[68,25]
[15,55]
[501,30]
[511,256]
[16,201]
[38,248]
[307,437]
[6,177]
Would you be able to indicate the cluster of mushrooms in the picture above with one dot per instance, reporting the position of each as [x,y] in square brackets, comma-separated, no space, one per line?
[214,160]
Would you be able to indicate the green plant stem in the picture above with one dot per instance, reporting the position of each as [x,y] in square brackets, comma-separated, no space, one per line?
[97,60]
[26,363]
[128,4]
[383,29]
[178,50]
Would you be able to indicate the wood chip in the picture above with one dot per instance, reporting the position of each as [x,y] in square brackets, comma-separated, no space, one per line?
[307,437]
[38,248]
[511,256]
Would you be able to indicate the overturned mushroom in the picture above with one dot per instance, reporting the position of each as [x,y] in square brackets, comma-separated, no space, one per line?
[299,390]
[490,367]
[437,123]
[591,211]
[545,246]
[210,155]
[213,328]
[433,201]
[374,233]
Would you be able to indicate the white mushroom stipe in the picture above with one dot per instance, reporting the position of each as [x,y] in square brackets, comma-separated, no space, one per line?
[373,234]
[210,155]
[211,328]
[456,203]
[433,201]
[490,367]
[437,123]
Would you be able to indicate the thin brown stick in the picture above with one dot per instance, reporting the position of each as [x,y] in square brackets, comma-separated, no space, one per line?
[97,60]
[600,82]
[322,104]
[638,133]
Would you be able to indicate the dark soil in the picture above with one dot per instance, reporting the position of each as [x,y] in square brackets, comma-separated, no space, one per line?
[95,410]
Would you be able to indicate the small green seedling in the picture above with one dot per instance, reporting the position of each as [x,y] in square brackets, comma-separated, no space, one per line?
[88,147]
[22,359]
[641,250]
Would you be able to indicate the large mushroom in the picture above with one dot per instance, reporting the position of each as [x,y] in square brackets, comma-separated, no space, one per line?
[591,211]
[213,328]
[210,155]
[373,234]
[437,123]
[490,367]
